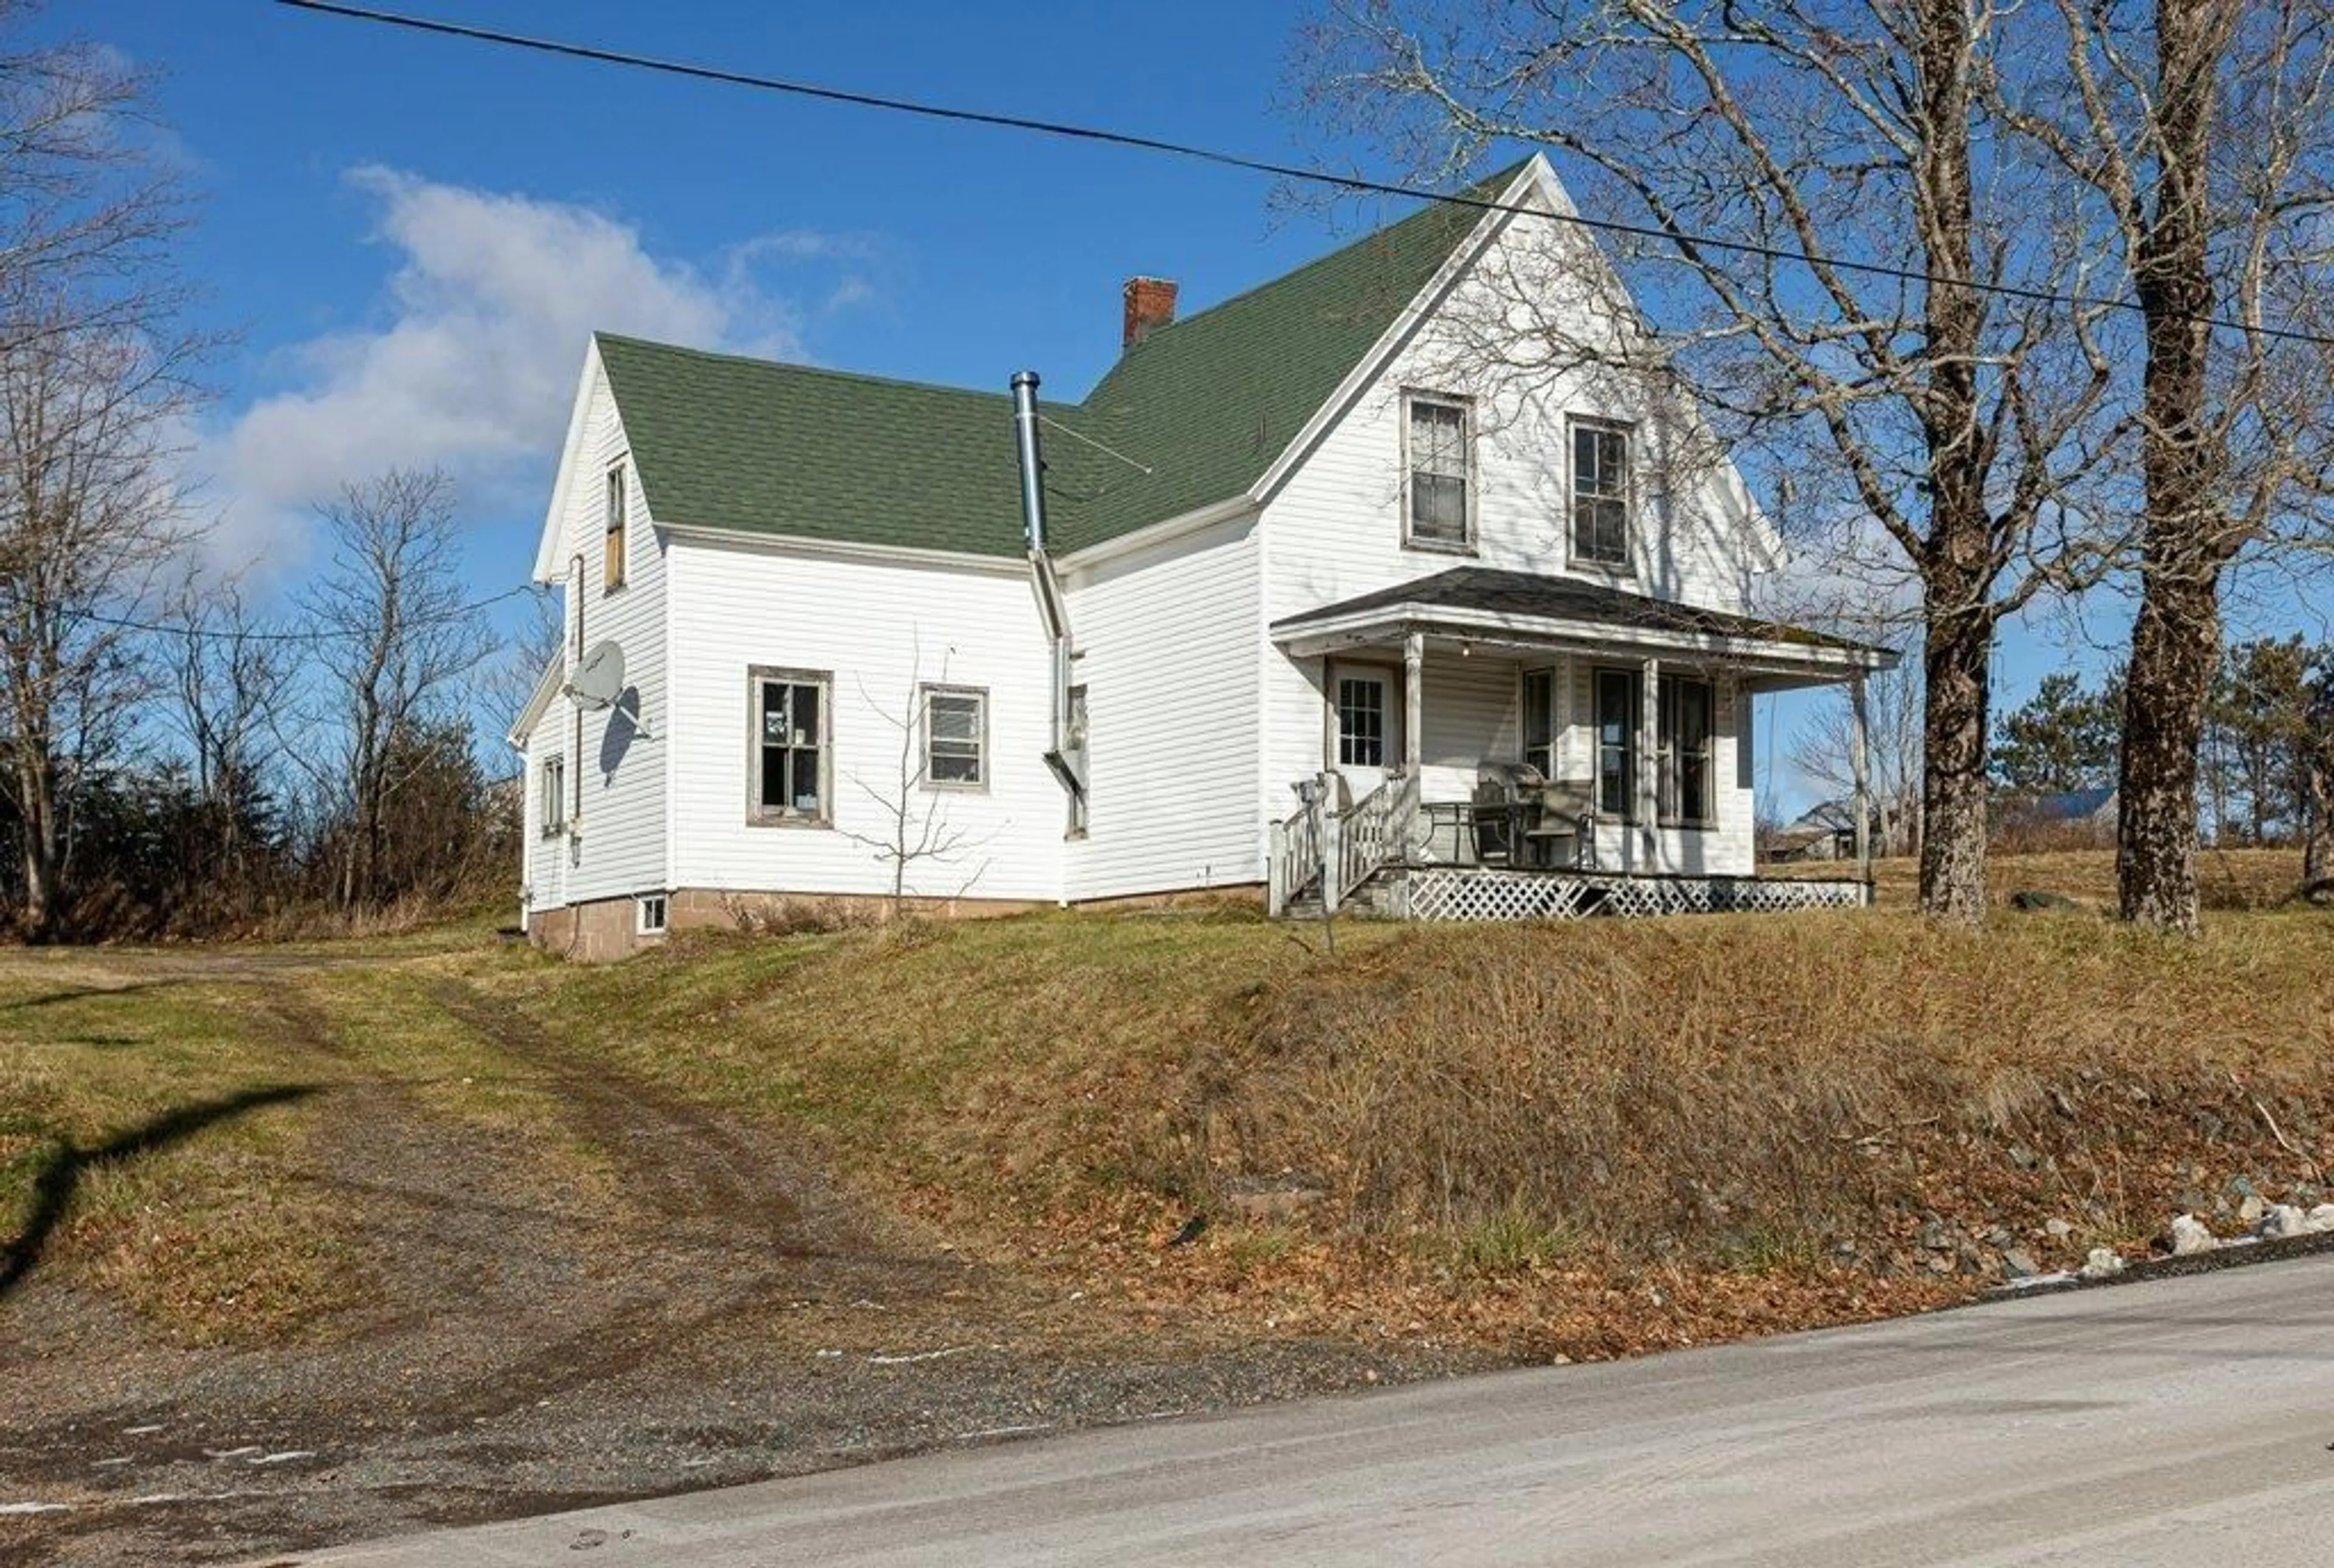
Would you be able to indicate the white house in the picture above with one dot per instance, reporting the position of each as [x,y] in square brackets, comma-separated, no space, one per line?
[1329,597]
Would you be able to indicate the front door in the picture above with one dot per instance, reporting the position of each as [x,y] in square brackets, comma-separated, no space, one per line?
[1364,724]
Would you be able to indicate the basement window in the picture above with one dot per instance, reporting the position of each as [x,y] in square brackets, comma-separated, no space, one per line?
[650,912]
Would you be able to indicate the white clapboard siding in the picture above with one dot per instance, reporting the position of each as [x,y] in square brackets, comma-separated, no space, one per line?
[1334,529]
[620,848]
[544,875]
[881,629]
[1169,640]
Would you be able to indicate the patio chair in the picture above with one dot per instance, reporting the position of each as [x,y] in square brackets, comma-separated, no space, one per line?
[1563,831]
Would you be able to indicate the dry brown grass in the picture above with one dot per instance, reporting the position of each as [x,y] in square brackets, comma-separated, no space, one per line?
[1494,1114]
[2227,879]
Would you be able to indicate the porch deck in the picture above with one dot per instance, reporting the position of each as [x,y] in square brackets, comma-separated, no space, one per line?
[1393,857]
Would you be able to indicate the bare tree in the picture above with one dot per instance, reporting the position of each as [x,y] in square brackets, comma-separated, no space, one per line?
[2196,138]
[911,805]
[394,642]
[1822,752]
[229,678]
[87,218]
[88,520]
[1961,419]
[94,380]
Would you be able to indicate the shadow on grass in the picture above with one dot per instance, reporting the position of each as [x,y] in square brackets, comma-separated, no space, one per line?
[52,1189]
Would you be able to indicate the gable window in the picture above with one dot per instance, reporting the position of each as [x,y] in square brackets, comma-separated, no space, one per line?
[612,564]
[1618,693]
[550,803]
[1600,496]
[790,745]
[1685,718]
[955,737]
[1439,503]
[1360,721]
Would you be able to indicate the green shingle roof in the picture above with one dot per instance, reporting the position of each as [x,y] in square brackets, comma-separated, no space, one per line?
[1205,404]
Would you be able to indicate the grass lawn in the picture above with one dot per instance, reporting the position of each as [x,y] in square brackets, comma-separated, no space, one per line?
[1491,1128]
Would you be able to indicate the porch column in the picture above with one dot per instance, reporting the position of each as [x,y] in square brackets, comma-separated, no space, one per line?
[1859,761]
[1414,721]
[1649,765]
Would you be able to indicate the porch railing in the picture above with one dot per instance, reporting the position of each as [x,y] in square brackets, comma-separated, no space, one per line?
[1298,854]
[1376,833]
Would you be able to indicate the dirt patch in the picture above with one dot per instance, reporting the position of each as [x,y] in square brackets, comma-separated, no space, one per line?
[721,1314]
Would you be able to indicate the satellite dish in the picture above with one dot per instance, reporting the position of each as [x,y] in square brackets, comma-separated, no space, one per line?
[599,680]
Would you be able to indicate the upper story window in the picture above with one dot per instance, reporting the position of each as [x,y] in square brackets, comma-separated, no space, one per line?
[955,737]
[790,747]
[1600,496]
[613,576]
[1440,503]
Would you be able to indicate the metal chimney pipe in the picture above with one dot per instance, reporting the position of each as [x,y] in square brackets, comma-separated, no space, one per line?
[1033,467]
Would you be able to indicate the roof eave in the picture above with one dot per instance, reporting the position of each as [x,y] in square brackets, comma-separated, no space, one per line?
[1305,637]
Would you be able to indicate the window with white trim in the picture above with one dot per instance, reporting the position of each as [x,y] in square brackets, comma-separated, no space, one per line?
[955,737]
[650,911]
[1539,721]
[1441,502]
[551,797]
[1600,496]
[1362,721]
[1618,694]
[790,747]
[612,564]
[1685,718]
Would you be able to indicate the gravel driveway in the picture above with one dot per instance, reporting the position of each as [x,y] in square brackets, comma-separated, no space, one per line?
[726,1314]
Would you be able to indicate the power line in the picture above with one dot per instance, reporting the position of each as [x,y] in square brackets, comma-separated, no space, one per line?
[1353,184]
[185,629]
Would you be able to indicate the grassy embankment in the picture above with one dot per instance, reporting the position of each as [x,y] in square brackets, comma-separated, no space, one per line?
[1581,1140]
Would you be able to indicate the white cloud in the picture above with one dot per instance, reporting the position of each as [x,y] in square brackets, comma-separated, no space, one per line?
[479,338]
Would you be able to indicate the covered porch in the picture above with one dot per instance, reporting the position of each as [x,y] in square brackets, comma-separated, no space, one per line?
[1503,744]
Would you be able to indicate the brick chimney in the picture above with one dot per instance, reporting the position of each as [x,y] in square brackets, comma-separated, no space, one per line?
[1149,303]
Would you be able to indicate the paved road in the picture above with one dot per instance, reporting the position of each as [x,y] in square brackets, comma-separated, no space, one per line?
[2175,1422]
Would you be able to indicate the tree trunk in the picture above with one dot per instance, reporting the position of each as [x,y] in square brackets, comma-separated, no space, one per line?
[2317,813]
[37,832]
[1955,579]
[1960,648]
[2175,644]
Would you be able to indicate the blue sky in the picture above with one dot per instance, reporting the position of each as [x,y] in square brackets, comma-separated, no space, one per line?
[412,235]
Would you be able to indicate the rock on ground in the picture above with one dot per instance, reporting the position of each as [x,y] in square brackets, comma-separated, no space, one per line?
[2190,1237]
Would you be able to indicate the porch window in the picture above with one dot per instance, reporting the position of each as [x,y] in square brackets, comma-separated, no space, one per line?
[1618,694]
[1361,722]
[1684,718]
[955,737]
[551,804]
[612,565]
[1600,496]
[790,745]
[1539,721]
[1439,500]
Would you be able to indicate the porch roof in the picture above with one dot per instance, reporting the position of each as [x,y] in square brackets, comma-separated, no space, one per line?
[1485,605]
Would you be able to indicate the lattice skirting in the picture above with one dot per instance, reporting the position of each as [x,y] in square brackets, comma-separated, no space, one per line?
[1471,894]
